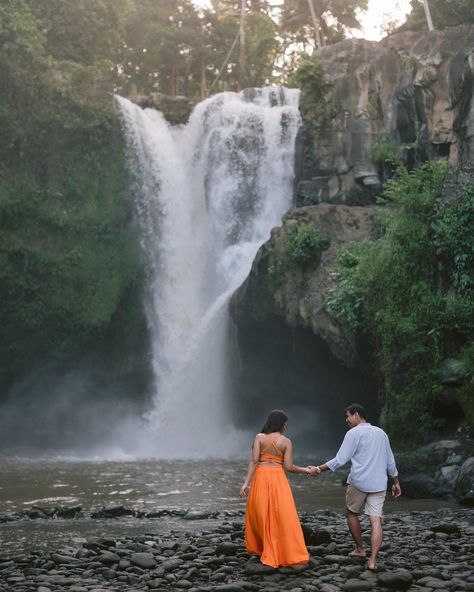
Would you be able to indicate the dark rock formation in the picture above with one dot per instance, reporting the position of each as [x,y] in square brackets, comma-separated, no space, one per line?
[410,94]
[175,109]
[438,470]
[292,350]
[296,293]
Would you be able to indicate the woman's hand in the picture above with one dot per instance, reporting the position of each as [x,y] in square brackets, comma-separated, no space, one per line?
[243,490]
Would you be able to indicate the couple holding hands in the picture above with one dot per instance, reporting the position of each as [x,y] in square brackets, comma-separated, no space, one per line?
[272,528]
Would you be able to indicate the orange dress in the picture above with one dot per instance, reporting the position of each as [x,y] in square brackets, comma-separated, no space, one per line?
[272,527]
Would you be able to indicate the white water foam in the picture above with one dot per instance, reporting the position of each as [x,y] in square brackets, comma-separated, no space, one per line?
[207,196]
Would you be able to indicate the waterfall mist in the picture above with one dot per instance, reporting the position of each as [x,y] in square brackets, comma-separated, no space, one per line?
[207,195]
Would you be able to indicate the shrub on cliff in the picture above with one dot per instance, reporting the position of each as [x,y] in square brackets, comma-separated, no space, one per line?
[411,292]
[318,101]
[303,243]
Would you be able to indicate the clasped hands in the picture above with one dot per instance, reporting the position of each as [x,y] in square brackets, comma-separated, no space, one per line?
[311,470]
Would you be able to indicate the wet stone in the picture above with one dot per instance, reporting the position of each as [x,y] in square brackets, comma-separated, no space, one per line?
[109,558]
[329,588]
[227,549]
[196,515]
[143,560]
[400,579]
[255,568]
[183,584]
[356,585]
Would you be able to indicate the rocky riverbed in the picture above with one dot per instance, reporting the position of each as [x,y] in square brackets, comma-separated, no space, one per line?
[423,551]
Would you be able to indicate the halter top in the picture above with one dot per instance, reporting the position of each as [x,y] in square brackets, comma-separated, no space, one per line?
[270,452]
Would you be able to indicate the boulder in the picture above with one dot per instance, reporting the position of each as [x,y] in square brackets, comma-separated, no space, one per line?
[400,579]
[464,485]
[176,110]
[143,560]
[297,293]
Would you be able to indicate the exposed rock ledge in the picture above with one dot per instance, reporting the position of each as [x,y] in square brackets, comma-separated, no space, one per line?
[411,93]
[298,294]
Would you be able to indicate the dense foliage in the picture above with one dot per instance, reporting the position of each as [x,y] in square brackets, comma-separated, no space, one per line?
[67,254]
[411,293]
[333,19]
[445,13]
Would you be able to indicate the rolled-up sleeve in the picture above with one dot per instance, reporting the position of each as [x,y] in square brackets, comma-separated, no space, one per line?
[345,452]
[391,466]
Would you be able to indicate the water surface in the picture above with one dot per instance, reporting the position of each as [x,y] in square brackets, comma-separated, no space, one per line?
[147,485]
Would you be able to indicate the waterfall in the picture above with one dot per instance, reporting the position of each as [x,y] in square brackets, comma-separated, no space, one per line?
[207,195]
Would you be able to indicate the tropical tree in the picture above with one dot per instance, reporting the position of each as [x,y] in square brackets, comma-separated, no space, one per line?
[261,47]
[165,44]
[324,20]
[83,31]
[444,13]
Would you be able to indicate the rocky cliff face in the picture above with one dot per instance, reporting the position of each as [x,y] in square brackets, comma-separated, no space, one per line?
[282,287]
[409,94]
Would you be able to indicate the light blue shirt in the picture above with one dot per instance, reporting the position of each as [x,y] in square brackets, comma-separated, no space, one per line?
[368,448]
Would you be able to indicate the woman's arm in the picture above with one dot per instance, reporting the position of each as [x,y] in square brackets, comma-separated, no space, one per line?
[252,466]
[288,461]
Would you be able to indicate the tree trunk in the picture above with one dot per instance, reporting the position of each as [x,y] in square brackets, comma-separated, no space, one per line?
[242,45]
[203,90]
[317,32]
[429,20]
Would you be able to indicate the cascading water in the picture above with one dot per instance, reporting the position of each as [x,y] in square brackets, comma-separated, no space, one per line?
[207,196]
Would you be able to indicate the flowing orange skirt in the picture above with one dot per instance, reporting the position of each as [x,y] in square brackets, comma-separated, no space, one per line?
[272,527]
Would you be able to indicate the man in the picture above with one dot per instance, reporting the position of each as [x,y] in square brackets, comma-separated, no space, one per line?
[368,449]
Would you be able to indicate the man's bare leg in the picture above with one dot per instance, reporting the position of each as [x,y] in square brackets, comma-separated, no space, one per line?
[376,536]
[356,532]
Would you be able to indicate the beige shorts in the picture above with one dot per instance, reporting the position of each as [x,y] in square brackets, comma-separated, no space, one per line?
[355,499]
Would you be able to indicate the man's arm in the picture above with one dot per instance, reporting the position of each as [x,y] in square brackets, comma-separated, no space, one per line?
[391,466]
[396,489]
[392,470]
[344,455]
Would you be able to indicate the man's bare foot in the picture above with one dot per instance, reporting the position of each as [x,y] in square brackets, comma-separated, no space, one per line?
[357,553]
[371,564]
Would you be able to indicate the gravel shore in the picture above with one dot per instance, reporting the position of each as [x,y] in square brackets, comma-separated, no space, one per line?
[422,552]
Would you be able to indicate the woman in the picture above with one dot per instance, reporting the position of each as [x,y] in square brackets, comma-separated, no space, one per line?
[272,528]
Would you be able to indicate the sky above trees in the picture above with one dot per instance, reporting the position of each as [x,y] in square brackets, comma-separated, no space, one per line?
[379,15]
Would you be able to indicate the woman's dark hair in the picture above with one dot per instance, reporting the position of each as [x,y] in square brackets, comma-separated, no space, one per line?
[356,408]
[275,422]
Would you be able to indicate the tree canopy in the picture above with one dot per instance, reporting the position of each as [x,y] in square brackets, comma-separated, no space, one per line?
[170,46]
[445,13]
[325,21]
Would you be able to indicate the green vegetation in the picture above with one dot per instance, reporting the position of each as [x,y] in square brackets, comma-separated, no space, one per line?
[318,101]
[445,13]
[334,17]
[67,255]
[410,292]
[301,245]
[383,150]
[304,243]
[275,268]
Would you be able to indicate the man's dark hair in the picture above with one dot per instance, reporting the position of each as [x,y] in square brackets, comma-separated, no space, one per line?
[356,408]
